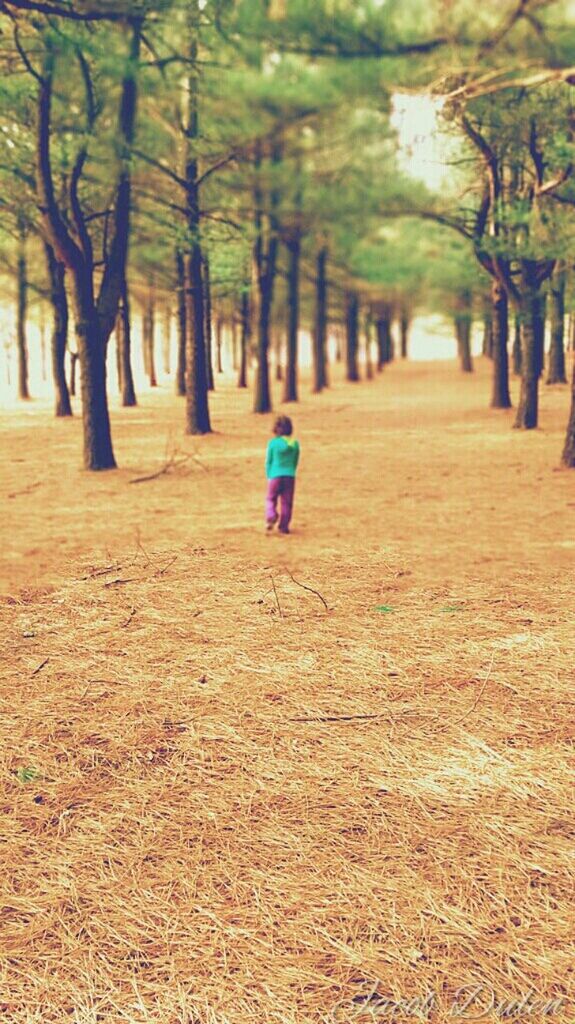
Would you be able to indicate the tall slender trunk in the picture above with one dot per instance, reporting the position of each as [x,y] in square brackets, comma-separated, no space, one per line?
[517,346]
[21,314]
[556,368]
[59,302]
[291,375]
[488,332]
[74,357]
[368,362]
[404,324]
[352,322]
[532,339]
[128,389]
[181,360]
[568,457]
[219,343]
[463,321]
[149,336]
[209,323]
[197,408]
[166,341]
[234,341]
[384,341]
[320,379]
[43,342]
[244,339]
[118,348]
[499,336]
[266,252]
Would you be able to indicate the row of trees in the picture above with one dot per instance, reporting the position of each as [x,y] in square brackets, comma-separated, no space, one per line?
[236,159]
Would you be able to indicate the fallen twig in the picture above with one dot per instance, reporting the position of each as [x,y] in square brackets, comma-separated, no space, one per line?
[337,718]
[101,572]
[40,666]
[276,597]
[25,490]
[311,590]
[129,619]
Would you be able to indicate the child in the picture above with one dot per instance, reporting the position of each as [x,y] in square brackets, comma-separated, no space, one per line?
[282,458]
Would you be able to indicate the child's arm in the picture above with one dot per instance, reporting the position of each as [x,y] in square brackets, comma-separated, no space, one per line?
[297,450]
[268,459]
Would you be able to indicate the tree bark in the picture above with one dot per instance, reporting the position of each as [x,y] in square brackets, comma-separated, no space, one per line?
[197,408]
[556,368]
[219,343]
[352,322]
[181,361]
[463,321]
[266,250]
[320,378]
[368,362]
[404,325]
[517,347]
[21,314]
[499,337]
[532,338]
[244,339]
[149,333]
[488,333]
[209,324]
[568,457]
[166,341]
[291,375]
[125,339]
[73,363]
[384,340]
[59,302]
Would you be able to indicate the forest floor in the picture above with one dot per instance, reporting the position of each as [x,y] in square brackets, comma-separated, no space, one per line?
[252,779]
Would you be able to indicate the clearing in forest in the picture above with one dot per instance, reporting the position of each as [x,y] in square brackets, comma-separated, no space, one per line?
[259,779]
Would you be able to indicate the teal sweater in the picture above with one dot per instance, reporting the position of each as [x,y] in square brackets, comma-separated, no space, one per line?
[282,457]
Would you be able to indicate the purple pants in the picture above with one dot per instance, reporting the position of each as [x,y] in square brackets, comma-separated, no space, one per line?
[281,487]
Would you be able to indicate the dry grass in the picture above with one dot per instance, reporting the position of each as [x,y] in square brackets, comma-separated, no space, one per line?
[225,803]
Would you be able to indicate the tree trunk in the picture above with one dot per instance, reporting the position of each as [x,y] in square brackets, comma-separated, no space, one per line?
[43,342]
[352,321]
[556,370]
[209,325]
[499,336]
[384,341]
[125,338]
[463,321]
[149,337]
[181,362]
[488,333]
[368,362]
[404,333]
[291,375]
[266,250]
[219,343]
[59,301]
[320,380]
[197,408]
[568,457]
[73,363]
[532,330]
[21,313]
[166,341]
[98,451]
[244,339]
[517,347]
[234,341]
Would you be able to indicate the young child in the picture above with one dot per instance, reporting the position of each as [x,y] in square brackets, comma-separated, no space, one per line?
[282,458]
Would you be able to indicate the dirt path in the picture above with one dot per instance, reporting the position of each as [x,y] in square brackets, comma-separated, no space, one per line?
[225,802]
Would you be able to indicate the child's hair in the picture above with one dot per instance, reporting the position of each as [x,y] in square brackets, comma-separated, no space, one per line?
[283,426]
